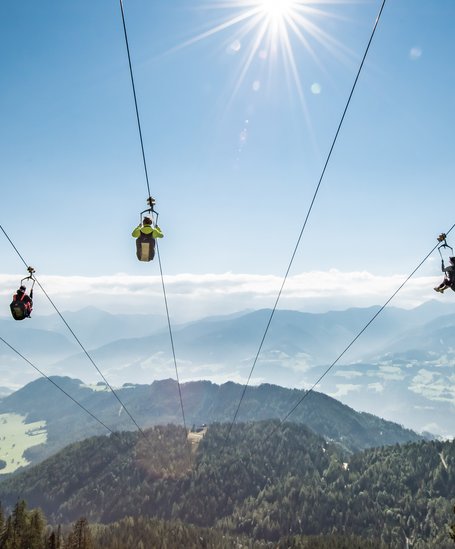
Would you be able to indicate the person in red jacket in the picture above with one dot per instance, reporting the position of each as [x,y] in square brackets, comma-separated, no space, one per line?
[22,304]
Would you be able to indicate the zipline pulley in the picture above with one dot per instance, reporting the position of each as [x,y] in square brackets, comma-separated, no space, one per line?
[442,238]
[150,210]
[30,276]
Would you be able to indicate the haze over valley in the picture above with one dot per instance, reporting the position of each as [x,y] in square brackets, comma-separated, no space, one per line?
[400,369]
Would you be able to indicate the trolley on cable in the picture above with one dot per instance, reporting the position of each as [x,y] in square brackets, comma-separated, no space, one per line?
[22,304]
[147,231]
[449,271]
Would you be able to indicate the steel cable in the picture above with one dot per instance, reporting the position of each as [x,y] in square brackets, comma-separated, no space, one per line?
[306,219]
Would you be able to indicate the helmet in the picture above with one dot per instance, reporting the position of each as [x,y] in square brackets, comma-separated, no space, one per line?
[146,221]
[23,288]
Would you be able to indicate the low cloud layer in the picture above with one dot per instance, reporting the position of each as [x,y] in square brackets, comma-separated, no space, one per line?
[193,296]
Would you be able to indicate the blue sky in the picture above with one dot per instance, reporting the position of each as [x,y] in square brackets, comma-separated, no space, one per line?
[233,163]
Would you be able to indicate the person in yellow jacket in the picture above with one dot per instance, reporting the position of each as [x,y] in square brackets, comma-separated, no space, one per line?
[145,235]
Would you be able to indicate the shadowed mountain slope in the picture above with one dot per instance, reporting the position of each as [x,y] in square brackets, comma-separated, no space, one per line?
[204,402]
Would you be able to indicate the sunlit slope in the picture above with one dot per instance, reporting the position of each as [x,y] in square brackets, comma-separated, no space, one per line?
[265,486]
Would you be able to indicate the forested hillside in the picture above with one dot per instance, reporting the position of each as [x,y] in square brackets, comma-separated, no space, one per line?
[204,402]
[27,529]
[262,485]
[142,533]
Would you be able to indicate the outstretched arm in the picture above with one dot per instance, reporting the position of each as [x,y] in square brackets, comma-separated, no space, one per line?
[157,232]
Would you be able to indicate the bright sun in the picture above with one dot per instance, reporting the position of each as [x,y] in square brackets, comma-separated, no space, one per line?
[276,9]
[271,30]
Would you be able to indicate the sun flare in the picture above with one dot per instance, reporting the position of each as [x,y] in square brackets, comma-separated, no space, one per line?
[276,9]
[272,31]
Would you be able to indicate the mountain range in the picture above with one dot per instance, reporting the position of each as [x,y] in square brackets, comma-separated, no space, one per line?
[64,422]
[400,368]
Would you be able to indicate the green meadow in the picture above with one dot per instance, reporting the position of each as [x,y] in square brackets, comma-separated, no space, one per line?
[16,437]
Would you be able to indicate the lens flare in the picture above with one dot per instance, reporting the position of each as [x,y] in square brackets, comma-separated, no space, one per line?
[271,31]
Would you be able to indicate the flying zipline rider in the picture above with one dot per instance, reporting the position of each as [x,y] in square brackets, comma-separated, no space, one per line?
[22,304]
[146,233]
[449,271]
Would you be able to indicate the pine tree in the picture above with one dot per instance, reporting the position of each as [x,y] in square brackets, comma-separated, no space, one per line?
[2,522]
[55,541]
[34,534]
[52,541]
[59,538]
[452,528]
[8,538]
[80,537]
[17,527]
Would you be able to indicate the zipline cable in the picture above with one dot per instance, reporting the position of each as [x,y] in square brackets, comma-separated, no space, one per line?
[306,219]
[372,319]
[135,98]
[75,336]
[56,385]
[171,337]
[149,193]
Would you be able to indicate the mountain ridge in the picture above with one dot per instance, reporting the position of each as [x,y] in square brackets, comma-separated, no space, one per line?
[204,402]
[399,369]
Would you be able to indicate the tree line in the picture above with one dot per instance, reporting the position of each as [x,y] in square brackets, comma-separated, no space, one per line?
[27,529]
[292,484]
